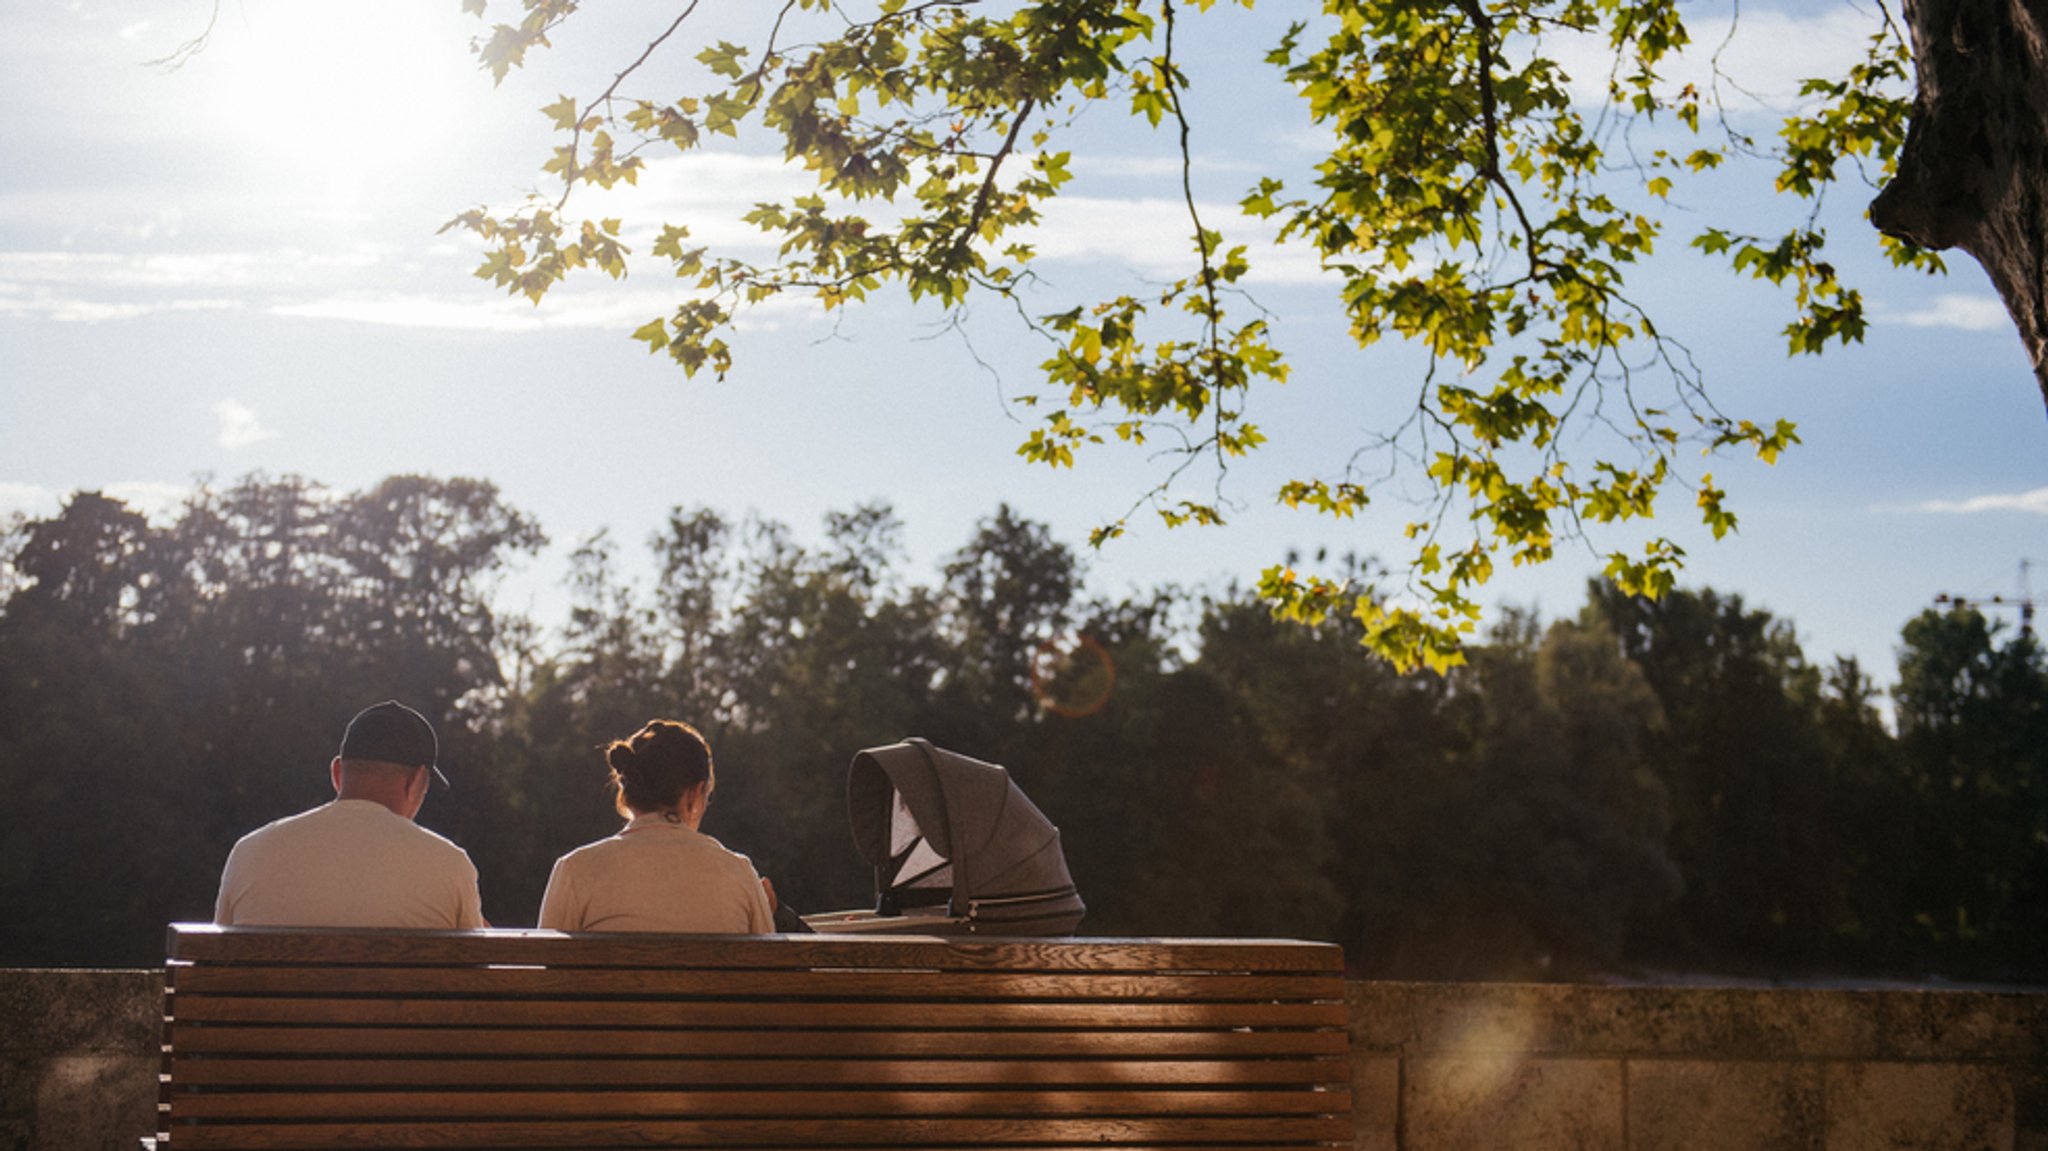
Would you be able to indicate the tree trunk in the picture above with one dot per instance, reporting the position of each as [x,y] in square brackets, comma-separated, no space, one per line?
[1974,171]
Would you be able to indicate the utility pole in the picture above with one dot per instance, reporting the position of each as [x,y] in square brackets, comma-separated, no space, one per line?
[2024,601]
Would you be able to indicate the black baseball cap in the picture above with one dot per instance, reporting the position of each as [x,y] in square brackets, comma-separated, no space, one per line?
[391,732]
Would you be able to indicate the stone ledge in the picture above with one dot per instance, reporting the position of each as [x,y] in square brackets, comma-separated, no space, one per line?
[1416,1019]
[80,1011]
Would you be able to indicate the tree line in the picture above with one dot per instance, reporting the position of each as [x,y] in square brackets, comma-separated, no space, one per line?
[1650,785]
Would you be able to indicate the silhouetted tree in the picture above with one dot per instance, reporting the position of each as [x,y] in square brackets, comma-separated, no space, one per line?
[1973,723]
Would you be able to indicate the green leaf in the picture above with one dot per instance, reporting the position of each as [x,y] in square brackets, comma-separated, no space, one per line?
[723,59]
[654,333]
[562,112]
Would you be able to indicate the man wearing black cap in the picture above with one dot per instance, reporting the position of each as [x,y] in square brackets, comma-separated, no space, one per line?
[359,861]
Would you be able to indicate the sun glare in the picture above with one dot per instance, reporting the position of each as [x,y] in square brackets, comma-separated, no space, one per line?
[336,95]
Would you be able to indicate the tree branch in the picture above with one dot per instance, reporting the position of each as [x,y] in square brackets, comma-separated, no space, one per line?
[1212,317]
[605,98]
[1490,122]
[995,165]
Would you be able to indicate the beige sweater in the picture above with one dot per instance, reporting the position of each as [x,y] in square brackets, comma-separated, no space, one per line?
[655,875]
[349,863]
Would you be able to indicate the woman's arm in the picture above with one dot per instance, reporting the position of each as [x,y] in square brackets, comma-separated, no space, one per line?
[560,910]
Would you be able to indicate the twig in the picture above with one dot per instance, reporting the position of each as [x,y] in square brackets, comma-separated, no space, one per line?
[605,98]
[178,56]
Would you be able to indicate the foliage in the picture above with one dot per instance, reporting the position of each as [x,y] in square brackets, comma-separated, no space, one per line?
[1471,201]
[1659,782]
[191,680]
[1973,721]
[1736,751]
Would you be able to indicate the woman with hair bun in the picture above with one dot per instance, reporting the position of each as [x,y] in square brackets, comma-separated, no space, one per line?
[659,873]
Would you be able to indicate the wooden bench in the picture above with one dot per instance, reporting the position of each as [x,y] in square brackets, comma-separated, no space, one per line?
[291,1038]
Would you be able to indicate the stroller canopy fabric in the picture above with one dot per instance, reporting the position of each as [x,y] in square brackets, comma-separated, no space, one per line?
[941,828]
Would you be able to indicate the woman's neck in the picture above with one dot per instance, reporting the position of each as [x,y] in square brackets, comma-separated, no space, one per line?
[670,815]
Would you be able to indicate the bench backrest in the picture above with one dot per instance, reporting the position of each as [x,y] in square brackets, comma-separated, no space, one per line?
[325,1039]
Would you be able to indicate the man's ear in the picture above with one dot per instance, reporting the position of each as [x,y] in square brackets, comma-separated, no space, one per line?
[334,774]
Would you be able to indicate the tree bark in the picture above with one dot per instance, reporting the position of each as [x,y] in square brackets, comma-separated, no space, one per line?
[1974,171]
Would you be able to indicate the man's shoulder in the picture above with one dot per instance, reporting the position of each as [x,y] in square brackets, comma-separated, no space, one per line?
[351,820]
[425,840]
[287,826]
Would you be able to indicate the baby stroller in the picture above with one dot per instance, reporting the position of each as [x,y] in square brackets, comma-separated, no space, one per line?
[956,848]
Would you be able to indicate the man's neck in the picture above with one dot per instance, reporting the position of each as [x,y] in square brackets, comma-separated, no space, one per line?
[394,804]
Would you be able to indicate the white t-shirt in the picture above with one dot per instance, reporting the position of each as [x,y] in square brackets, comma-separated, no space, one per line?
[350,863]
[655,875]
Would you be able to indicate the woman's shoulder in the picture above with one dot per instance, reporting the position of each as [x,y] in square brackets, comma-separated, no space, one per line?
[726,854]
[594,850]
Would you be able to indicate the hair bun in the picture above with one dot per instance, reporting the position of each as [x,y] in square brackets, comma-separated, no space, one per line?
[658,764]
[619,756]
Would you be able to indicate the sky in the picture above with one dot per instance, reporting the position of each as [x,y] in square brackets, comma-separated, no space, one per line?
[233,266]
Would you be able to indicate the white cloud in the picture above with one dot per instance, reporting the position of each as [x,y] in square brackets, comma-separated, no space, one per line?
[1168,167]
[588,307]
[2034,503]
[415,311]
[158,502]
[709,191]
[172,271]
[1963,312]
[26,499]
[140,270]
[79,287]
[1150,237]
[484,313]
[15,301]
[1154,237]
[91,287]
[239,427]
[1768,54]
[168,223]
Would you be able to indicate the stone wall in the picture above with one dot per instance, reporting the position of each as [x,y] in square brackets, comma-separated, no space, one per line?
[78,1058]
[1464,1067]
[1436,1067]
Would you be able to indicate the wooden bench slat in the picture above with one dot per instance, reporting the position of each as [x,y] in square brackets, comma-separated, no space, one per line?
[816,1143]
[407,1106]
[292,1040]
[504,981]
[550,1041]
[801,1140]
[208,943]
[814,1140]
[187,1073]
[610,1013]
[756,1132]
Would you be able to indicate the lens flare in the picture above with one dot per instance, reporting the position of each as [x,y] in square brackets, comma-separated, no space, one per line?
[1072,677]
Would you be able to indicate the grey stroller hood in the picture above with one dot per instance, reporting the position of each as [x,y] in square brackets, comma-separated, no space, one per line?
[951,835]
